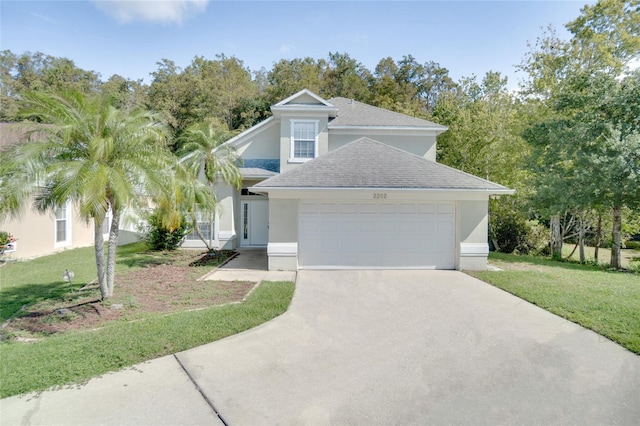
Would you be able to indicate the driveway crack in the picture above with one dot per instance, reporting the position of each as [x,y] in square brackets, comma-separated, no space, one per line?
[206,398]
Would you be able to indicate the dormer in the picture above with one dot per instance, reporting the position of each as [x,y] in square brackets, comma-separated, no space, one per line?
[304,119]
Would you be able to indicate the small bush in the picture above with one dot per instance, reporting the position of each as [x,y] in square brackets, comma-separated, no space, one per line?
[510,232]
[507,230]
[160,239]
[634,245]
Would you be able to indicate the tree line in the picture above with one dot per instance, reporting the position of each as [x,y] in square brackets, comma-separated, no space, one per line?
[567,140]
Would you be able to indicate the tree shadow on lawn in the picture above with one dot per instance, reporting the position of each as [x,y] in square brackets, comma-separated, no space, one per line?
[132,256]
[12,299]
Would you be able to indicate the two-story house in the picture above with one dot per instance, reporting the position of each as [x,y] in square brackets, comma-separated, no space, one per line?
[338,184]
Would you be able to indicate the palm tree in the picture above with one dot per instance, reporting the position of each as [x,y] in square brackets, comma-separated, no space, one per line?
[205,153]
[91,154]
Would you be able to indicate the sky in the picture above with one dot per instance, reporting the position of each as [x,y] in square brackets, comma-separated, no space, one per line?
[129,37]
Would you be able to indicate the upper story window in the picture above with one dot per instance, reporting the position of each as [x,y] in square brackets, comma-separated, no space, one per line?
[304,140]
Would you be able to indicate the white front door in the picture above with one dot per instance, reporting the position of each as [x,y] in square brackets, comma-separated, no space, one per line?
[255,223]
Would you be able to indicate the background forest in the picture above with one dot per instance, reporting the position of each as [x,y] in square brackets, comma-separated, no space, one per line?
[567,140]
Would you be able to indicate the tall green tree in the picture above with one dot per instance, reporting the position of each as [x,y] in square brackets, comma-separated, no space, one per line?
[223,84]
[126,94]
[20,73]
[173,93]
[585,108]
[345,76]
[90,154]
[483,134]
[287,77]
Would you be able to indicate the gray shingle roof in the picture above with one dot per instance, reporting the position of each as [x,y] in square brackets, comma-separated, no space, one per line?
[255,172]
[354,113]
[365,163]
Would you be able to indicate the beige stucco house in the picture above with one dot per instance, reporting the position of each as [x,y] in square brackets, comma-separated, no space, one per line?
[335,184]
[39,234]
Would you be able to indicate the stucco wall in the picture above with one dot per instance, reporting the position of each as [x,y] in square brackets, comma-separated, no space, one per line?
[36,234]
[264,144]
[472,232]
[423,146]
[227,219]
[283,235]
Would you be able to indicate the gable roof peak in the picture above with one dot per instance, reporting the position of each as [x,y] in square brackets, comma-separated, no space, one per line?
[304,101]
[300,94]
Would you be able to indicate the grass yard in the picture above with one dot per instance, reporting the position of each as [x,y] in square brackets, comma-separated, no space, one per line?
[627,256]
[164,309]
[607,302]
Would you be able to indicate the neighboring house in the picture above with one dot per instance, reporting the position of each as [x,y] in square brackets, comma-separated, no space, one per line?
[37,233]
[338,184]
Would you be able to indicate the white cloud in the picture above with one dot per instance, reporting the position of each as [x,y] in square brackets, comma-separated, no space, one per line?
[161,11]
[284,49]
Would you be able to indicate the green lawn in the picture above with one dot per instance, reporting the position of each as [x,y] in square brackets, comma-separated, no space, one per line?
[26,283]
[76,356]
[607,302]
[604,255]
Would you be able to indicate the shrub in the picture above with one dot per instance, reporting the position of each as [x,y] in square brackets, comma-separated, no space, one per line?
[635,245]
[507,230]
[159,238]
[5,241]
[510,231]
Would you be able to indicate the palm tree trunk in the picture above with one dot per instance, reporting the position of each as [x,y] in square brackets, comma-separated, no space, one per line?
[616,237]
[112,245]
[98,244]
[196,228]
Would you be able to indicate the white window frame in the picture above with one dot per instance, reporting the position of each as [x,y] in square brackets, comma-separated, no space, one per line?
[66,209]
[292,157]
[193,235]
[107,224]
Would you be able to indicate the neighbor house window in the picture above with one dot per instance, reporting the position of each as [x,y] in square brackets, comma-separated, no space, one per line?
[106,224]
[63,225]
[205,226]
[303,139]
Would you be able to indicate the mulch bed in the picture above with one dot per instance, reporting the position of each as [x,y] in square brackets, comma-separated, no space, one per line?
[168,286]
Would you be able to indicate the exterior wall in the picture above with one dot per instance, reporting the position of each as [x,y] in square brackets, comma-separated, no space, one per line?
[421,145]
[471,221]
[305,99]
[283,235]
[472,233]
[36,234]
[263,144]
[285,138]
[226,217]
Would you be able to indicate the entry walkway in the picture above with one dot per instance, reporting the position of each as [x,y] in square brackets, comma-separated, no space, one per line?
[250,264]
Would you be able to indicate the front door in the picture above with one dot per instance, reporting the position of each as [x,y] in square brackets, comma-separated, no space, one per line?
[255,223]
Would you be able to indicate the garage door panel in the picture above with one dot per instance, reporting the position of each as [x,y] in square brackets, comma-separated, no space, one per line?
[377,235]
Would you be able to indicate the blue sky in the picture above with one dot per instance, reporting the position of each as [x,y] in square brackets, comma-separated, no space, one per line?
[129,37]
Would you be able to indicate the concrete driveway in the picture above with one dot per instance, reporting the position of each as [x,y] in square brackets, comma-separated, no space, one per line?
[415,347]
[371,348]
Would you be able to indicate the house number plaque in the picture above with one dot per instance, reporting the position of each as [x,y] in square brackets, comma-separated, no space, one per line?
[380,195]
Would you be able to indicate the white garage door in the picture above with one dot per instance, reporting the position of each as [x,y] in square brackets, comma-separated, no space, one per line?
[376,235]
